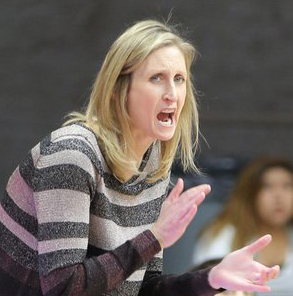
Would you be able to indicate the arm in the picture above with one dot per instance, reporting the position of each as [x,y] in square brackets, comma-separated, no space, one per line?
[63,184]
[192,283]
[98,275]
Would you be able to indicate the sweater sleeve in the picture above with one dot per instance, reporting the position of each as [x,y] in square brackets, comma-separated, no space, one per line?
[63,185]
[100,274]
[188,284]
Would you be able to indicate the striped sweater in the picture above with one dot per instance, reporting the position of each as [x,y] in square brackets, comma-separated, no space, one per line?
[69,227]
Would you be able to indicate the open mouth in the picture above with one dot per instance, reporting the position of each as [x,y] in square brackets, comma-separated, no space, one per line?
[166,117]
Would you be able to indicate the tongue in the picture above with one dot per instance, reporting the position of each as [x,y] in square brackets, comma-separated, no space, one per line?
[163,116]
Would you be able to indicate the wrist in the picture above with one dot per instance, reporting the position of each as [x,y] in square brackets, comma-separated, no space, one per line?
[157,236]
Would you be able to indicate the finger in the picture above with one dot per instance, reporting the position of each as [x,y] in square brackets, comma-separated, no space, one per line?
[258,245]
[177,190]
[274,272]
[189,216]
[253,288]
[188,206]
[200,198]
[264,277]
[190,193]
[192,209]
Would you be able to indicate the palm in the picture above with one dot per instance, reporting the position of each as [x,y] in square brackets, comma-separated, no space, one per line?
[238,270]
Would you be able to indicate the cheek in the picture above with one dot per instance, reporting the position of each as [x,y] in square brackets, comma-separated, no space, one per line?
[140,105]
[263,204]
[289,203]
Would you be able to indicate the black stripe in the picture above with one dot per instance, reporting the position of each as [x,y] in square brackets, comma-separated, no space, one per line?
[112,183]
[74,144]
[45,143]
[10,286]
[18,250]
[26,169]
[64,285]
[61,258]
[18,215]
[65,176]
[142,214]
[57,230]
[94,251]
[17,271]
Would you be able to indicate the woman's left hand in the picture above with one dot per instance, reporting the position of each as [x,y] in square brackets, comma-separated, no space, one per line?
[238,270]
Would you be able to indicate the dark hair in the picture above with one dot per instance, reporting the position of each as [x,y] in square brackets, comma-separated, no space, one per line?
[241,203]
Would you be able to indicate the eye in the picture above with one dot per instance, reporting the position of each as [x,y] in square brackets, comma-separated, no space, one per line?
[179,79]
[156,78]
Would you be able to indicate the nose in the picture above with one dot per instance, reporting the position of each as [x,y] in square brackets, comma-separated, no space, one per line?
[170,94]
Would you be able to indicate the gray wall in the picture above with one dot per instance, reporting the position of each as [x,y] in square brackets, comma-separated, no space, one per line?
[50,52]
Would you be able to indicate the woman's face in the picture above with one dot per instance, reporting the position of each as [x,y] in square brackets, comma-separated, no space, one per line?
[156,95]
[274,203]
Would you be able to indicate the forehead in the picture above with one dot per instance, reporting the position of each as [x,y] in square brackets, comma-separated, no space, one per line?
[277,174]
[166,58]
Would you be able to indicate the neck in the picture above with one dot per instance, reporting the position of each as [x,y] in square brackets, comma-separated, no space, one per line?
[275,231]
[138,146]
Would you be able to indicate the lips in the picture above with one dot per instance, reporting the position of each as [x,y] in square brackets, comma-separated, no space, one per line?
[166,117]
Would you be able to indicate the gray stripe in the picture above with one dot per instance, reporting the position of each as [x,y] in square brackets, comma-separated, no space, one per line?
[156,264]
[126,200]
[126,288]
[61,258]
[27,221]
[145,213]
[56,230]
[62,205]
[73,144]
[107,235]
[15,248]
[64,176]
[35,152]
[49,246]
[74,157]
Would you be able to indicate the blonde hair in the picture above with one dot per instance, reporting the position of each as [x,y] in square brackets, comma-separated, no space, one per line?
[240,209]
[106,113]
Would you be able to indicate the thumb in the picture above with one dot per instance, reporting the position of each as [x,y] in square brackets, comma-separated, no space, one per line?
[258,244]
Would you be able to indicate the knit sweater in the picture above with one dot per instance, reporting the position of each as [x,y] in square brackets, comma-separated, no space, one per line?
[69,227]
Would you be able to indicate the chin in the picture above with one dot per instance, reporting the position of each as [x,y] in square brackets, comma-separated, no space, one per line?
[165,137]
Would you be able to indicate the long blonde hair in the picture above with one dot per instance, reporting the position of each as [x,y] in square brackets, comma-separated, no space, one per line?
[240,209]
[106,113]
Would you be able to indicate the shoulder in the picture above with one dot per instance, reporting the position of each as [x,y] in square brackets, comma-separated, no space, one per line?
[209,247]
[226,234]
[75,142]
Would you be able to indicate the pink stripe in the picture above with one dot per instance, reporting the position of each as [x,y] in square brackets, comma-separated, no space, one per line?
[18,230]
[21,193]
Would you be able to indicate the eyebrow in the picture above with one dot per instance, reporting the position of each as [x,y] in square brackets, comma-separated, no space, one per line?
[155,70]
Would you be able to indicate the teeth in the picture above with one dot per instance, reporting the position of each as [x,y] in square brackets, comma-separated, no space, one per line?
[168,111]
[168,122]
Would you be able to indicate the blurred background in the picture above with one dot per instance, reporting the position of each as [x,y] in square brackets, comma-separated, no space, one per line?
[50,52]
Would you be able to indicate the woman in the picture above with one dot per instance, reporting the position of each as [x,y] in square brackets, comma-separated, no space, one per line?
[83,214]
[261,202]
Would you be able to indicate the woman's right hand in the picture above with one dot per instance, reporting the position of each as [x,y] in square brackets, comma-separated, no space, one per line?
[177,212]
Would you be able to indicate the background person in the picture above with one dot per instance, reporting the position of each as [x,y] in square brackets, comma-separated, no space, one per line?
[261,202]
